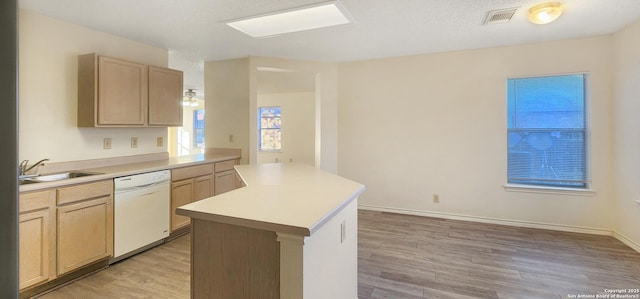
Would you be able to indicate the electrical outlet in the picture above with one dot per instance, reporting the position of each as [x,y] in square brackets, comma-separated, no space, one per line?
[106,143]
[436,198]
[160,141]
[134,142]
[343,231]
[230,138]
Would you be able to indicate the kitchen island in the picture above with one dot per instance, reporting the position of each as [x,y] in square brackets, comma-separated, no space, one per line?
[290,233]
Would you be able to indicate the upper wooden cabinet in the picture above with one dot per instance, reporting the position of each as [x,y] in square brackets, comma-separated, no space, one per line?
[118,93]
[165,97]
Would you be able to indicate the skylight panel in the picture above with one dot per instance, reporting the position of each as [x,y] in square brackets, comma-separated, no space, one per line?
[323,15]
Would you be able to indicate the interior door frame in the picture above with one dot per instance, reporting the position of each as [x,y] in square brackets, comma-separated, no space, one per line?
[9,149]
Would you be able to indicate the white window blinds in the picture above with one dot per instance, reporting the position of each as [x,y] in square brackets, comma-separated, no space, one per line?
[547,131]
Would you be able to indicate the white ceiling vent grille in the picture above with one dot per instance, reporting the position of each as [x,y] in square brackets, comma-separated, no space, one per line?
[500,16]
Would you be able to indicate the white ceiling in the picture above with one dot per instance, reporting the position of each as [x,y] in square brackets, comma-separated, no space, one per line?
[193,31]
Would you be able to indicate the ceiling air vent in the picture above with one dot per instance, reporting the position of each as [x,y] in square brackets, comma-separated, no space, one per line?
[500,16]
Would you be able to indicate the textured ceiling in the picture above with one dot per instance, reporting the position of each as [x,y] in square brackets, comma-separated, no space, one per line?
[193,31]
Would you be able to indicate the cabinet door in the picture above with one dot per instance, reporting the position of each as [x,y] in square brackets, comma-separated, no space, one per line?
[34,247]
[225,181]
[122,92]
[203,187]
[165,97]
[239,183]
[181,194]
[85,233]
[37,238]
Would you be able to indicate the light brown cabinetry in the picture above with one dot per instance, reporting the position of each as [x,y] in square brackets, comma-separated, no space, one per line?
[111,92]
[181,194]
[193,183]
[165,97]
[37,237]
[226,177]
[239,182]
[85,225]
[119,93]
[225,181]
[189,184]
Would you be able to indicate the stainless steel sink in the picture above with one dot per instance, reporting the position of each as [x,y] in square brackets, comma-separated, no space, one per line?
[56,177]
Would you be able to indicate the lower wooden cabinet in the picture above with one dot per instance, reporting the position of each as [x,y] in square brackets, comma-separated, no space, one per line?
[225,181]
[239,183]
[181,194]
[85,225]
[198,182]
[203,187]
[187,184]
[37,238]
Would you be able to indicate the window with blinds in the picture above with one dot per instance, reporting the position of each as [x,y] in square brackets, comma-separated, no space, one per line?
[547,131]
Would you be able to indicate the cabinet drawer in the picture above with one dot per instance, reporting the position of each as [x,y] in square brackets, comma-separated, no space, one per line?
[225,165]
[85,191]
[37,200]
[191,172]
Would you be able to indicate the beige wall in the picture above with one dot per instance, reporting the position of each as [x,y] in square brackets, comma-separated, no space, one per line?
[48,51]
[231,89]
[326,110]
[298,127]
[415,126]
[627,139]
[181,139]
[227,105]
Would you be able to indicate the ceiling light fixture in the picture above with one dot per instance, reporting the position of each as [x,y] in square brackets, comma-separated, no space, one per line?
[545,13]
[189,100]
[316,16]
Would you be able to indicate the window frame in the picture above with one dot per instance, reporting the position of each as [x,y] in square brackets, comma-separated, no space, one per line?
[587,189]
[260,149]
[196,128]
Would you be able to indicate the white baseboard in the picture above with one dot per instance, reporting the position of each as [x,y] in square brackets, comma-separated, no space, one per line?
[558,227]
[566,228]
[626,240]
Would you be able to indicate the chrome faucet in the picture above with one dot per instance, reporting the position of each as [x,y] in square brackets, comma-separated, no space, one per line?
[24,166]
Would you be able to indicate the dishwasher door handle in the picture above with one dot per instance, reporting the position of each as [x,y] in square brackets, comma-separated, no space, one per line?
[138,187]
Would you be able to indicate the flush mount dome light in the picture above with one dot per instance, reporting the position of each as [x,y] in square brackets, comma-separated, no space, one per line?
[317,16]
[545,13]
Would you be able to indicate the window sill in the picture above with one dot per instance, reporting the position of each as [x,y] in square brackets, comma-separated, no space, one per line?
[549,190]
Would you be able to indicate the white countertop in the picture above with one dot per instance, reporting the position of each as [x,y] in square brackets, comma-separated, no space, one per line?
[289,198]
[110,172]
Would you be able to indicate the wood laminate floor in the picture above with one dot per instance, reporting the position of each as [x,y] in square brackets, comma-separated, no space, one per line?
[402,256]
[162,272]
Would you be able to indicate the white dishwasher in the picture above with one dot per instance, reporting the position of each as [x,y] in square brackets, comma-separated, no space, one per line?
[141,212]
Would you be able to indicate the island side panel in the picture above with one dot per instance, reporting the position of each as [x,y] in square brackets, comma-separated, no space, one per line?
[229,261]
[331,257]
